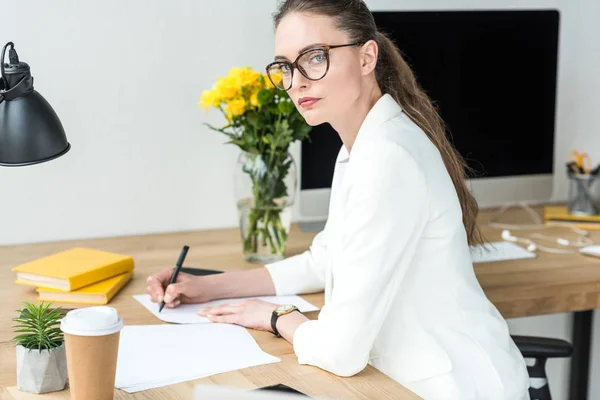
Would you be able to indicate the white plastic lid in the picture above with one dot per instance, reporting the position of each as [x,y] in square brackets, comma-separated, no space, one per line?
[92,321]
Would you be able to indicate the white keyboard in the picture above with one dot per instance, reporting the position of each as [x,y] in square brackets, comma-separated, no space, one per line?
[593,251]
[499,251]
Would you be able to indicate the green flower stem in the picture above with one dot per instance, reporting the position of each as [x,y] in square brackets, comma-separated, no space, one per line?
[270,239]
[271,232]
[266,234]
[275,235]
[280,234]
[251,240]
[282,231]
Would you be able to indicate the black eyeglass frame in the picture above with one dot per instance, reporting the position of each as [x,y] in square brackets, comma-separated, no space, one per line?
[294,65]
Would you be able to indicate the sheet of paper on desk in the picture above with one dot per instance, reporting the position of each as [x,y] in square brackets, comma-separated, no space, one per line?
[188,313]
[152,356]
[499,251]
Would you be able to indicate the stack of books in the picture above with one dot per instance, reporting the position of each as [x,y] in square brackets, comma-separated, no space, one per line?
[559,215]
[78,275]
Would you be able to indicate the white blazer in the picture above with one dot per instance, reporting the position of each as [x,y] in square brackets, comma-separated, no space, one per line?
[394,262]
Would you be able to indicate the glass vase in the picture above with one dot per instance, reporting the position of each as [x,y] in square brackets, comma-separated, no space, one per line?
[265,192]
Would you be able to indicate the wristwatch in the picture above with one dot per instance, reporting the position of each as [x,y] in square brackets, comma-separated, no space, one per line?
[278,312]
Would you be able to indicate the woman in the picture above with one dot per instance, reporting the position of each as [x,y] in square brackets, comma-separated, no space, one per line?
[393,259]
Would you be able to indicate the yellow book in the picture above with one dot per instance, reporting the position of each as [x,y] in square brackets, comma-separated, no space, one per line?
[559,216]
[96,293]
[73,269]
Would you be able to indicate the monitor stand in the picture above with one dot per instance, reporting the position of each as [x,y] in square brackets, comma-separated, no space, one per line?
[312,226]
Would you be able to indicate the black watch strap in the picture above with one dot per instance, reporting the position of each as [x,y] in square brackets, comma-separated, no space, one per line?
[274,318]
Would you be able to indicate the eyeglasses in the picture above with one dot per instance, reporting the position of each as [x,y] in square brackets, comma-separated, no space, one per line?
[313,64]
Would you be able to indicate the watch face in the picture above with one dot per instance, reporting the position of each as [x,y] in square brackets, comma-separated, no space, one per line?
[286,307]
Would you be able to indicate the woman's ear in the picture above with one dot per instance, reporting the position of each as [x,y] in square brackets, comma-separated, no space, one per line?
[369,52]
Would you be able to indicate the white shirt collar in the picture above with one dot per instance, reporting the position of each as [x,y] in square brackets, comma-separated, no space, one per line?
[383,110]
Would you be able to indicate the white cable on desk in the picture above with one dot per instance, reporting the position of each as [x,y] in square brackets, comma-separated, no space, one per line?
[582,240]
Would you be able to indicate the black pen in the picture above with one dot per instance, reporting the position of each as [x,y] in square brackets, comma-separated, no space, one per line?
[176,271]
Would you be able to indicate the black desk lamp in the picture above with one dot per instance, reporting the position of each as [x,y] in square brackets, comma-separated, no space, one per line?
[30,131]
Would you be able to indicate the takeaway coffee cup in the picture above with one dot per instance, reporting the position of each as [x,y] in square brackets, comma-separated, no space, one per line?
[92,345]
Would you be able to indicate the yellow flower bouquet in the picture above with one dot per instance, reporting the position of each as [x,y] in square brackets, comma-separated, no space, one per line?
[262,121]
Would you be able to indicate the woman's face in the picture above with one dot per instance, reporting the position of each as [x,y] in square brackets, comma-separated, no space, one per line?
[327,99]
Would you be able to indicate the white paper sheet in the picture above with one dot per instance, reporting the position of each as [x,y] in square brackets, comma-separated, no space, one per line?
[152,356]
[188,313]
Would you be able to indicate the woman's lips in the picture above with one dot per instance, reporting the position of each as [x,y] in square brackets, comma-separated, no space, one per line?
[306,102]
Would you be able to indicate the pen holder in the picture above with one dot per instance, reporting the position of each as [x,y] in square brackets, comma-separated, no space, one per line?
[584,194]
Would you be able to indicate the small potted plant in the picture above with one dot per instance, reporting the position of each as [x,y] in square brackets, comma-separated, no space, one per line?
[41,357]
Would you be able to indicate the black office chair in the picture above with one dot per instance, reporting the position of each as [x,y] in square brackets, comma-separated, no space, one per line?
[541,349]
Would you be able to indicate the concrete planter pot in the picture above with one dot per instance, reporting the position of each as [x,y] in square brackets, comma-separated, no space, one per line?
[41,372]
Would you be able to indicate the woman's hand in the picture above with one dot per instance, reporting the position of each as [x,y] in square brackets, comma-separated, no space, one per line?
[187,289]
[253,314]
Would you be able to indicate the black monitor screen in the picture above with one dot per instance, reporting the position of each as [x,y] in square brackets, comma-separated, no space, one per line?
[492,75]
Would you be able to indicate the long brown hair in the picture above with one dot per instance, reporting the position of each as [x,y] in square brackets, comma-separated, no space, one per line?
[396,78]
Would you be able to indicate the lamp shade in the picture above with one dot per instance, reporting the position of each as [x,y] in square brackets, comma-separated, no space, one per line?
[30,130]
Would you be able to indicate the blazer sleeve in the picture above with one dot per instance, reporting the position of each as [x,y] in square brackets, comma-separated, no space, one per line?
[386,211]
[302,273]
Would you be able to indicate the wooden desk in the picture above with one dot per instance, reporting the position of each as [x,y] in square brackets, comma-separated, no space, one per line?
[209,249]
[548,284]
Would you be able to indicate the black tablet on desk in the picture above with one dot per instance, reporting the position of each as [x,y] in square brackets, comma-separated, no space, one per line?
[282,388]
[199,271]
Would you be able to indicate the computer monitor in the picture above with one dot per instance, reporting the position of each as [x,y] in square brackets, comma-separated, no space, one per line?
[493,77]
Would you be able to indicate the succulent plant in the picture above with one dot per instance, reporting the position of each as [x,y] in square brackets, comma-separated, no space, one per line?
[38,327]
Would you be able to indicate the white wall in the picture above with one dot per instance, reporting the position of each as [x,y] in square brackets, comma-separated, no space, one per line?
[125,78]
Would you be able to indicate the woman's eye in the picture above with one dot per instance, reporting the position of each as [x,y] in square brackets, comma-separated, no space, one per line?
[285,69]
[317,58]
